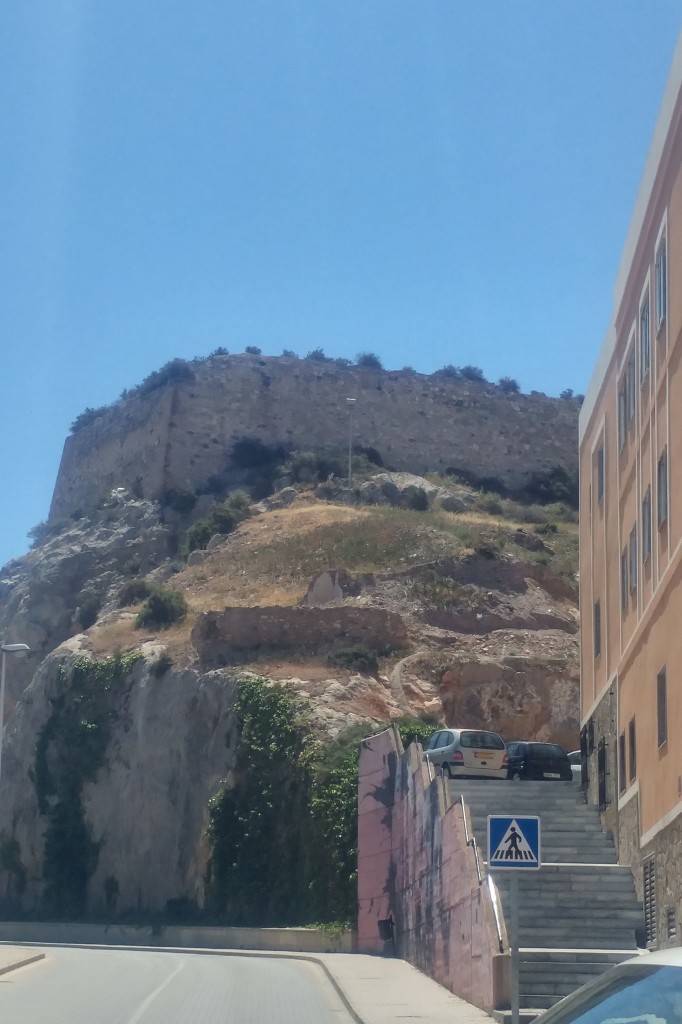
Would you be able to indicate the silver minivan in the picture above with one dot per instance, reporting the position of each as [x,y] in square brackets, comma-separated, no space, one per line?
[471,753]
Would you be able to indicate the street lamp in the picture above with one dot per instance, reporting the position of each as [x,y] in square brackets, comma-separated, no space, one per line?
[350,402]
[6,649]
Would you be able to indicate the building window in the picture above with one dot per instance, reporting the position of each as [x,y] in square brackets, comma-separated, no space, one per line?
[597,629]
[631,386]
[646,525]
[661,283]
[633,557]
[649,892]
[621,763]
[624,579]
[662,707]
[632,736]
[644,339]
[671,923]
[600,475]
[662,492]
[622,413]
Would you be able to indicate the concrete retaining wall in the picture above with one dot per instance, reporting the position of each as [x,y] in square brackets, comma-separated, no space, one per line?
[415,868]
[298,940]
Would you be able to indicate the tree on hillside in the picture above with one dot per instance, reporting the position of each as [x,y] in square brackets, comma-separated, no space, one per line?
[508,384]
[474,373]
[369,360]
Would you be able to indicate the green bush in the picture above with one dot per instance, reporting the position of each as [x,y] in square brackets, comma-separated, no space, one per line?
[474,373]
[508,384]
[490,503]
[222,518]
[358,657]
[288,354]
[450,371]
[317,354]
[220,351]
[558,484]
[88,610]
[369,360]
[43,531]
[172,372]
[567,394]
[161,609]
[419,500]
[135,591]
[546,528]
[86,417]
[252,350]
[180,499]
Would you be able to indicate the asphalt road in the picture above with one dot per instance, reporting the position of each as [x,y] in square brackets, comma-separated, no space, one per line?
[84,986]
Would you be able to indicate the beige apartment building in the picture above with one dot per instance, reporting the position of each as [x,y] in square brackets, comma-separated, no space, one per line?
[630,543]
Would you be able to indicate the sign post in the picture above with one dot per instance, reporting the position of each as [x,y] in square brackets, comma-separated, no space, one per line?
[513,845]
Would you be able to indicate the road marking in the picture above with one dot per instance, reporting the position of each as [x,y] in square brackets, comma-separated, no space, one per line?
[152,996]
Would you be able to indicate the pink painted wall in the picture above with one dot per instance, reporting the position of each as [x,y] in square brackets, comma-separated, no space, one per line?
[414,865]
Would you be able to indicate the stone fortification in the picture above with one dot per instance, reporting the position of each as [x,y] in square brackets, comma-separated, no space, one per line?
[219,637]
[182,433]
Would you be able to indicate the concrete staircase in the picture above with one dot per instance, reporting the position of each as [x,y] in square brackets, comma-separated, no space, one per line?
[578,914]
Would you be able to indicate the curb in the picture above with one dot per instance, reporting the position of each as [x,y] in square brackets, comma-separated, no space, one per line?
[254,953]
[16,964]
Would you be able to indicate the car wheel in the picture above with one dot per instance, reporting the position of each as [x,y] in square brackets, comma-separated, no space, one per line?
[445,771]
[516,776]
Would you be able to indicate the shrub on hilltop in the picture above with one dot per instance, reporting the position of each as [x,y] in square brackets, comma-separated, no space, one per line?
[161,609]
[369,361]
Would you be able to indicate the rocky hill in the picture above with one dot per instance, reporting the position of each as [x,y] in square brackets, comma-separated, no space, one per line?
[397,597]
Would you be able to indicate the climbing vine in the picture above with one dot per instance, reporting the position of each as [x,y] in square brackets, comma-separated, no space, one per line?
[283,836]
[70,750]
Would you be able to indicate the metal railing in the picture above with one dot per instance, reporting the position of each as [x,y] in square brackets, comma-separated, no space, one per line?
[490,884]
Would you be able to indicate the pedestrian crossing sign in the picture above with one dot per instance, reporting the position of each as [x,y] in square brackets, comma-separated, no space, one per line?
[513,842]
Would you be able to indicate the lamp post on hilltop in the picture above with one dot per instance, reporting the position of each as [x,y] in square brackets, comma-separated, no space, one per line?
[350,402]
[6,649]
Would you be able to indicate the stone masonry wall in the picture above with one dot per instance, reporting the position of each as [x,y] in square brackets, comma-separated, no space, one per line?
[183,433]
[219,637]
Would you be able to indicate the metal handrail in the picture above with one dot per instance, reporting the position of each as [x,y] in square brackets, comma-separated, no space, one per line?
[487,878]
[497,913]
[467,833]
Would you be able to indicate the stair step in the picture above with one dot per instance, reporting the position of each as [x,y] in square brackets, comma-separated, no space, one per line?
[529,954]
[578,913]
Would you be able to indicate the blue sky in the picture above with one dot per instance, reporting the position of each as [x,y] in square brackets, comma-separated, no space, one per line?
[436,182]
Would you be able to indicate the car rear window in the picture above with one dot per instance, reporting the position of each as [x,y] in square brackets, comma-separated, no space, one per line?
[487,740]
[548,749]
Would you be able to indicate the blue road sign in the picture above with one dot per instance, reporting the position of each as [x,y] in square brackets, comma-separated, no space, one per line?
[513,842]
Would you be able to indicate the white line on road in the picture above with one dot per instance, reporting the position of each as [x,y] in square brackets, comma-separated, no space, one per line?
[152,996]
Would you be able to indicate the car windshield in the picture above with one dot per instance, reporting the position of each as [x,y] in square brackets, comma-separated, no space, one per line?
[639,993]
[481,739]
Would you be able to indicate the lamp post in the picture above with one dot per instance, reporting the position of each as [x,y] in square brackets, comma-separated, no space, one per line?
[6,649]
[350,402]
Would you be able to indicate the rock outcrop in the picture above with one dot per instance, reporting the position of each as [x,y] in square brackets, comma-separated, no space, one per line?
[148,806]
[64,583]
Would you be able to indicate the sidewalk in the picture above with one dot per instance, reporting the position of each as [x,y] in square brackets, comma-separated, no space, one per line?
[377,990]
[374,989]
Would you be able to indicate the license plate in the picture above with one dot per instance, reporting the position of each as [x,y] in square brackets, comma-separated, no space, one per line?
[483,754]
[551,775]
